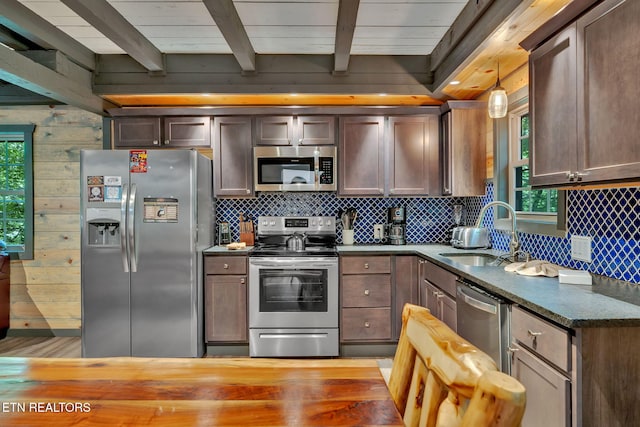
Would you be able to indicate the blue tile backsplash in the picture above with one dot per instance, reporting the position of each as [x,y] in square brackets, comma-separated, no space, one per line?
[611,217]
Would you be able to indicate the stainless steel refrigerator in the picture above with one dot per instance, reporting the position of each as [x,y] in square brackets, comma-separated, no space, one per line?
[146,217]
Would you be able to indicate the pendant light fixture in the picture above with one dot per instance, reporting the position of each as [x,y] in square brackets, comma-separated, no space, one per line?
[498,101]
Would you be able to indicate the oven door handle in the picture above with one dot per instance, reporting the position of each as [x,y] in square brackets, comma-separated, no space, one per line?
[289,263]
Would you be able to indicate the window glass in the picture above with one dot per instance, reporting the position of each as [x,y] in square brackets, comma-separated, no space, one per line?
[16,193]
[525,200]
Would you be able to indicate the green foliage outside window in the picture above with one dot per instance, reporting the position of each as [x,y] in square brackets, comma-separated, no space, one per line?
[527,200]
[16,189]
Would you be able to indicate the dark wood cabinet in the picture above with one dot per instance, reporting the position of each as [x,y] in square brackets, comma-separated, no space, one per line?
[274,130]
[295,130]
[541,361]
[437,289]
[413,156]
[225,297]
[463,148]
[553,109]
[361,156]
[137,132]
[316,130]
[159,132]
[583,99]
[365,300]
[400,162]
[405,288]
[233,157]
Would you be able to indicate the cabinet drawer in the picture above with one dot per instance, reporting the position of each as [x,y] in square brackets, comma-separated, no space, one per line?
[366,290]
[549,341]
[365,264]
[366,324]
[225,265]
[440,277]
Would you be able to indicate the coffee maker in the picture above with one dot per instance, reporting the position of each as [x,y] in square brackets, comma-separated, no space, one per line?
[395,228]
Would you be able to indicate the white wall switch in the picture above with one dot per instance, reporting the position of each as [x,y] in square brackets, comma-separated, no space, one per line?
[378,231]
[581,248]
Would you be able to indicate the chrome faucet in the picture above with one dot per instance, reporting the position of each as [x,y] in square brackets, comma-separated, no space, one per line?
[514,244]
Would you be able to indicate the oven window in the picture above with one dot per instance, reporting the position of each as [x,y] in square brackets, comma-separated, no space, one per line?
[293,290]
[285,170]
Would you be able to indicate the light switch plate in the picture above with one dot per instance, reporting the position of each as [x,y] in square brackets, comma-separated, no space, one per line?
[581,248]
[378,232]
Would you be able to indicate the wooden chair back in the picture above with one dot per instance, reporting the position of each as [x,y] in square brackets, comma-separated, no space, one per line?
[438,379]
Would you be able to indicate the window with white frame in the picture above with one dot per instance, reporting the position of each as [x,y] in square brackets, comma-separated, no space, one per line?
[530,204]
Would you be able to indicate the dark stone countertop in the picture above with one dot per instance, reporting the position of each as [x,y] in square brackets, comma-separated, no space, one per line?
[606,303]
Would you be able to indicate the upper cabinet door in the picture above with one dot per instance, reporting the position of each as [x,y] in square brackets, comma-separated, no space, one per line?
[233,157]
[316,130]
[413,155]
[136,132]
[609,104]
[274,130]
[552,106]
[361,156]
[464,153]
[187,132]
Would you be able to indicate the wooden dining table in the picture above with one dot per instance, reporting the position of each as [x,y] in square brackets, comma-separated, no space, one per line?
[194,392]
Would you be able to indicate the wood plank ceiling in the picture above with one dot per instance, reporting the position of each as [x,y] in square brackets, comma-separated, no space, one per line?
[101,53]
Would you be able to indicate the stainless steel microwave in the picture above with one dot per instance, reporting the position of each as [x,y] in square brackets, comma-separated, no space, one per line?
[299,168]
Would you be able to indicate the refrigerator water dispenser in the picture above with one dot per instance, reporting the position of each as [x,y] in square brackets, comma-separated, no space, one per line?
[103,227]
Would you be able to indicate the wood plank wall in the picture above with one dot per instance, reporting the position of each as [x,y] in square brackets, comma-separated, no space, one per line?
[512,83]
[45,291]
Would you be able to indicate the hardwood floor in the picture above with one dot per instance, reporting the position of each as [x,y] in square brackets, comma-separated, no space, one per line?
[40,347]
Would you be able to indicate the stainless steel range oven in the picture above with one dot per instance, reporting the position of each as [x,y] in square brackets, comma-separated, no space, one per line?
[293,290]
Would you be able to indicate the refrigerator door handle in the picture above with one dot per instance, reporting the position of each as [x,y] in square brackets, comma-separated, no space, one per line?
[131,229]
[124,252]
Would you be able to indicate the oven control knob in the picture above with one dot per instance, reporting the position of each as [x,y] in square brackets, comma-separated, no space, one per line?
[264,223]
[272,223]
[313,223]
[320,222]
[328,223]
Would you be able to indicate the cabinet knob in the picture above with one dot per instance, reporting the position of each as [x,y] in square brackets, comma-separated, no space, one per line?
[533,334]
[242,281]
[367,324]
[366,292]
[155,142]
[366,265]
[248,191]
[225,266]
[166,142]
[512,349]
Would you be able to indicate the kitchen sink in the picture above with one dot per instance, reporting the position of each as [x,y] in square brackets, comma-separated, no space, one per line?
[475,259]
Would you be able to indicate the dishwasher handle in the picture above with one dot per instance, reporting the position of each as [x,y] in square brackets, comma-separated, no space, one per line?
[480,305]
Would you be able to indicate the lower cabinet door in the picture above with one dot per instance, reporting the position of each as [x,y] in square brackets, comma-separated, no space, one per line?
[366,324]
[548,391]
[448,311]
[225,308]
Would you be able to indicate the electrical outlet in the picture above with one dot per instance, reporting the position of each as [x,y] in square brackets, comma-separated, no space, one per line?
[378,231]
[581,248]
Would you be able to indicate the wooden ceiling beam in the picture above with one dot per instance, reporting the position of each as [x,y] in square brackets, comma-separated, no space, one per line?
[347,15]
[304,74]
[106,19]
[21,20]
[19,70]
[226,17]
[469,34]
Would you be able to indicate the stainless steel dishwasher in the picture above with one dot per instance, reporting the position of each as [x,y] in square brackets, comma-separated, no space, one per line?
[483,320]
